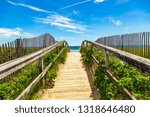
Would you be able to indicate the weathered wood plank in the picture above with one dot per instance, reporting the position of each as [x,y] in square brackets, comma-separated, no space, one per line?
[106,59]
[41,68]
[0,54]
[3,53]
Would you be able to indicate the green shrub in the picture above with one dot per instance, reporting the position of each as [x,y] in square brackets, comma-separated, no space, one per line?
[4,91]
[51,74]
[128,77]
[86,55]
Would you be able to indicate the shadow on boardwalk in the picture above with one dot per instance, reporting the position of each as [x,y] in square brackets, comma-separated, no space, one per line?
[95,92]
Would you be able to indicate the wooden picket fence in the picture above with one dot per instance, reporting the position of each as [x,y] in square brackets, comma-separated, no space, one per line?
[21,47]
[135,43]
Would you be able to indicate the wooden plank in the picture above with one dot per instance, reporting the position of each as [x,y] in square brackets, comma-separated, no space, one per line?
[41,68]
[0,54]
[11,50]
[23,46]
[8,50]
[3,53]
[140,63]
[18,47]
[14,50]
[148,45]
[106,58]
[14,65]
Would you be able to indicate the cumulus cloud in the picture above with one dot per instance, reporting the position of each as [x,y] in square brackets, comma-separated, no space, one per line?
[13,32]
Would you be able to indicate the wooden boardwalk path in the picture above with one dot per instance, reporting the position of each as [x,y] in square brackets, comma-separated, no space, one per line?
[72,82]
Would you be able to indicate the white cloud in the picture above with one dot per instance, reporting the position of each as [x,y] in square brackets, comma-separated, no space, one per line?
[62,22]
[13,32]
[97,1]
[28,6]
[115,21]
[6,32]
[75,4]
[74,31]
[118,2]
[78,3]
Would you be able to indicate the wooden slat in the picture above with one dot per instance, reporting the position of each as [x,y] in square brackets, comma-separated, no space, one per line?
[8,51]
[0,54]
[3,53]
[6,54]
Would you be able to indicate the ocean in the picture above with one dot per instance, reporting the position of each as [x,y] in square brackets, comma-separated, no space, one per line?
[74,48]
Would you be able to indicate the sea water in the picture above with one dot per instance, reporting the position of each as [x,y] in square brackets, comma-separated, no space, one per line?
[74,48]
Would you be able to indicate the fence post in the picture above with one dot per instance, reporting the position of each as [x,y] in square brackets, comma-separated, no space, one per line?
[91,48]
[122,42]
[41,68]
[57,49]
[18,43]
[0,55]
[106,59]
[3,53]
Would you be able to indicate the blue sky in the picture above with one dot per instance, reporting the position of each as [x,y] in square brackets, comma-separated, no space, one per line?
[72,20]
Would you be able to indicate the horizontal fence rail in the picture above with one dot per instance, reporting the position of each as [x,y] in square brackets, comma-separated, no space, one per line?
[136,43]
[14,65]
[140,63]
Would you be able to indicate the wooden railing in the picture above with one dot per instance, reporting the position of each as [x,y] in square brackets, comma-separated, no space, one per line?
[21,47]
[14,65]
[140,63]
